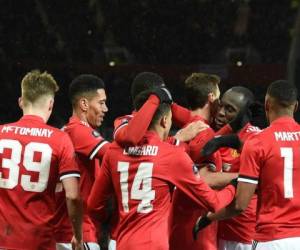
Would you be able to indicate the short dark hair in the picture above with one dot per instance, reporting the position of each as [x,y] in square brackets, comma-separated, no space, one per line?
[247,93]
[198,86]
[161,110]
[283,92]
[144,81]
[84,85]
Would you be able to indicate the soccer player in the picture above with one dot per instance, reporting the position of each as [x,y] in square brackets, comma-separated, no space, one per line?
[270,163]
[143,178]
[88,98]
[238,232]
[33,157]
[130,129]
[202,94]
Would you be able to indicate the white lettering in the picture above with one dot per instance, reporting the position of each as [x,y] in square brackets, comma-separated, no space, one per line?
[141,150]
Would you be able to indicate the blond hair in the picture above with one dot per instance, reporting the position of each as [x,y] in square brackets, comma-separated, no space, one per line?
[36,84]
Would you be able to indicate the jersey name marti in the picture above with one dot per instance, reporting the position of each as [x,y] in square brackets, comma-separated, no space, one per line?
[41,132]
[149,150]
[287,136]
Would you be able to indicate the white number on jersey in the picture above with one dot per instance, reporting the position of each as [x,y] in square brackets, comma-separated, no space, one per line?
[141,187]
[13,164]
[287,154]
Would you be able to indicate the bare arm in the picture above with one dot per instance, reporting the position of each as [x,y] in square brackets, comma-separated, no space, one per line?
[74,205]
[243,196]
[216,180]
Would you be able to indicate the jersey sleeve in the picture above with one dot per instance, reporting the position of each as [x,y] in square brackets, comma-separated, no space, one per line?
[89,142]
[67,163]
[186,178]
[101,192]
[202,138]
[131,131]
[250,161]
[180,115]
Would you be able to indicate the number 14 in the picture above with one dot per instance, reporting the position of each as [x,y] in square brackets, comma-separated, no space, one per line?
[141,187]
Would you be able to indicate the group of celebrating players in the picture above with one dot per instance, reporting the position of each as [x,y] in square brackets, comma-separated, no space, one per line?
[218,183]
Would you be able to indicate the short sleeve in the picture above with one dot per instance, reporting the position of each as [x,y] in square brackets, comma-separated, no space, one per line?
[250,162]
[88,141]
[67,163]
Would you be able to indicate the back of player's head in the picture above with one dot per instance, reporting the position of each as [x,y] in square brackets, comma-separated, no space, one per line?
[84,85]
[284,93]
[248,96]
[197,88]
[144,81]
[36,84]
[162,110]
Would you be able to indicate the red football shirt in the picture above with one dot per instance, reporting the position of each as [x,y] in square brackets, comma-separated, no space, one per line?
[143,178]
[185,211]
[240,228]
[89,146]
[33,156]
[271,159]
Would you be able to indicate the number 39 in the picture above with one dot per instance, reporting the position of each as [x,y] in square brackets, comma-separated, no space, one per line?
[13,164]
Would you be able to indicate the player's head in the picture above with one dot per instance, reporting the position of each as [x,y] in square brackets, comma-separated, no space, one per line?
[232,101]
[162,118]
[281,99]
[202,89]
[38,90]
[144,81]
[88,98]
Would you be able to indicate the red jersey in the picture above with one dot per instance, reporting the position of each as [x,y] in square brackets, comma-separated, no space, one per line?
[89,147]
[143,178]
[33,156]
[185,211]
[240,228]
[271,159]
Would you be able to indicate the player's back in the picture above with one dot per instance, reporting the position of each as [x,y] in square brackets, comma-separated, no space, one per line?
[142,180]
[279,188]
[30,152]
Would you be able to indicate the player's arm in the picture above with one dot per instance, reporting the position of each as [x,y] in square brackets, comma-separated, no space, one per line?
[247,183]
[69,176]
[89,142]
[101,192]
[216,180]
[180,115]
[74,206]
[130,131]
[188,180]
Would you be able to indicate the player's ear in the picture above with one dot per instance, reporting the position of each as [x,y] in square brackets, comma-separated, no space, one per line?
[163,121]
[51,104]
[211,97]
[83,104]
[20,101]
[296,107]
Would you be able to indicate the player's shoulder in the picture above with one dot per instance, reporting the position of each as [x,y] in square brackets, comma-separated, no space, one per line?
[122,120]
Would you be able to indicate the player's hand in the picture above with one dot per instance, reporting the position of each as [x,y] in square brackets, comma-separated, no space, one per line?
[230,141]
[190,131]
[242,118]
[76,244]
[163,94]
[202,222]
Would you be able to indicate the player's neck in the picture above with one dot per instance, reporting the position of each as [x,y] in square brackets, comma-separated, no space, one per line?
[80,115]
[37,112]
[203,112]
[276,115]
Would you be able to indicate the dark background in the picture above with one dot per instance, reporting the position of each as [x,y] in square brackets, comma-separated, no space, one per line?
[245,42]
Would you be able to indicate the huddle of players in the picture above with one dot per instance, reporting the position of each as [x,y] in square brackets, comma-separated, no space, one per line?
[140,169]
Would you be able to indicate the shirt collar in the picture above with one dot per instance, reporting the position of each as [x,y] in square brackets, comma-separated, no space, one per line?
[32,118]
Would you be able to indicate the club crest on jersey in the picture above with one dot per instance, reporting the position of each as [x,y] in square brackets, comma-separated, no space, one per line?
[96,133]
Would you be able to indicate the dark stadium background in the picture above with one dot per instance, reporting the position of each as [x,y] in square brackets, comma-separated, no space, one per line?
[245,42]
